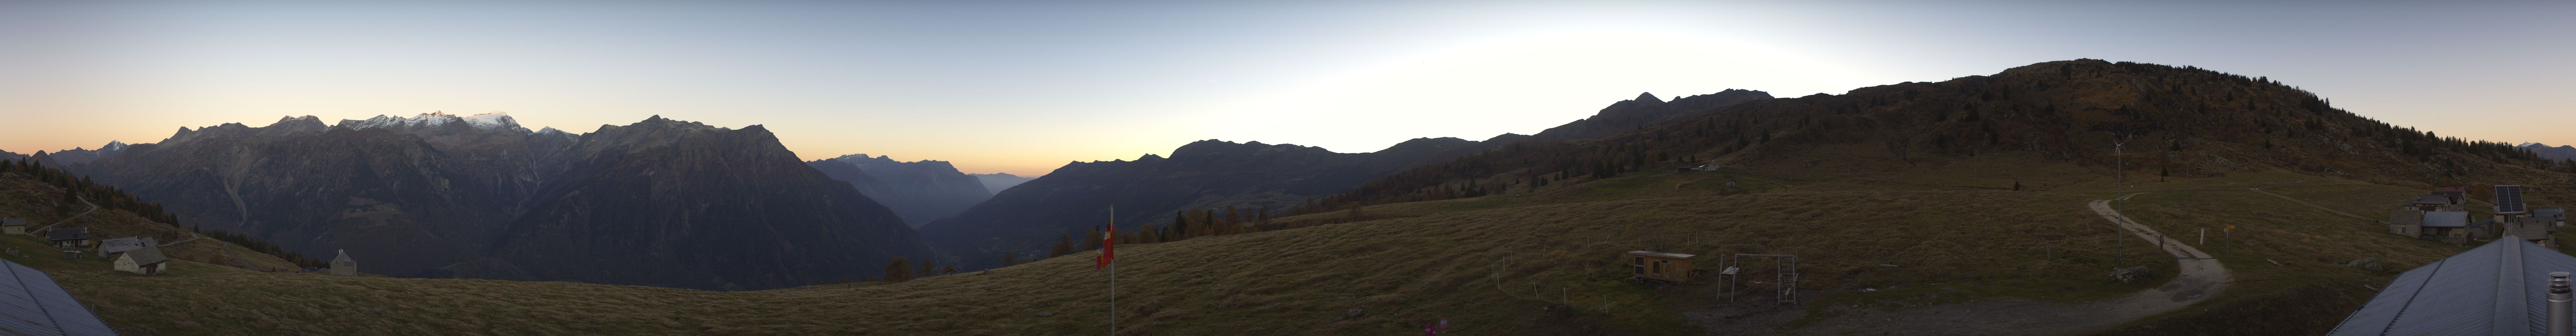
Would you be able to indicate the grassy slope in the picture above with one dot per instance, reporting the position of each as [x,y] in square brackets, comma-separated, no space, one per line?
[1418,262]
[20,197]
[1956,222]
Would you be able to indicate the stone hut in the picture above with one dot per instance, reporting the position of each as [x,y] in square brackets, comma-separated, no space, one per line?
[111,248]
[147,261]
[2535,229]
[13,225]
[2449,226]
[2409,223]
[69,238]
[343,266]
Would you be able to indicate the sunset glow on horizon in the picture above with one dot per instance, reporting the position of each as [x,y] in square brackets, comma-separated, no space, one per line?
[1024,88]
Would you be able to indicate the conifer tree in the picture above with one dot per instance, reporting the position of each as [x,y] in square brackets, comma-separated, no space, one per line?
[898,271]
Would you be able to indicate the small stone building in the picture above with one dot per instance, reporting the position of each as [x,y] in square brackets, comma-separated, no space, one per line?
[15,226]
[2448,226]
[1648,265]
[343,265]
[2409,222]
[2556,216]
[111,248]
[2535,229]
[147,261]
[69,238]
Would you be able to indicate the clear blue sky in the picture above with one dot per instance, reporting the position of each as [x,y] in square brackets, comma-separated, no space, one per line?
[1023,87]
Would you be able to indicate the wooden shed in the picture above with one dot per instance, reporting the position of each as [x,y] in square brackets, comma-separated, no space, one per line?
[1649,265]
[15,226]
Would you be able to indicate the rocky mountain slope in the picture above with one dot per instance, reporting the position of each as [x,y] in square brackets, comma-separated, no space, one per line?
[1629,115]
[2175,121]
[918,191]
[439,195]
[996,182]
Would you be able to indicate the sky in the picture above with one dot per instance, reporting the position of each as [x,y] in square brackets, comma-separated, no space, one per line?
[1025,87]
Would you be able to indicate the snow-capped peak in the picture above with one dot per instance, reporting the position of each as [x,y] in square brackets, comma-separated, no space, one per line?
[495,121]
[491,121]
[112,146]
[2531,144]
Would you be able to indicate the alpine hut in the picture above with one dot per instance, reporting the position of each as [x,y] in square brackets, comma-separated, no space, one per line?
[147,261]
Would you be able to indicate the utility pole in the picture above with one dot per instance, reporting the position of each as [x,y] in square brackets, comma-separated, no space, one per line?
[2119,204]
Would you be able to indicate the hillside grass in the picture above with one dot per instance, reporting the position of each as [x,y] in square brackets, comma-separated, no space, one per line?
[1542,262]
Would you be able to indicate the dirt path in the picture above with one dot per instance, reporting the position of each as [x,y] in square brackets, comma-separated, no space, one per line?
[40,232]
[2201,276]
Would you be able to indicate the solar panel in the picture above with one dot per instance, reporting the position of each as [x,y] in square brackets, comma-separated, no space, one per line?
[2509,200]
[32,304]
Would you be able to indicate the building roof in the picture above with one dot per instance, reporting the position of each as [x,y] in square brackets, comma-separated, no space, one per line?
[1661,254]
[67,234]
[13,221]
[2551,213]
[32,304]
[114,245]
[344,256]
[2495,289]
[146,256]
[2446,219]
[2406,217]
[2430,200]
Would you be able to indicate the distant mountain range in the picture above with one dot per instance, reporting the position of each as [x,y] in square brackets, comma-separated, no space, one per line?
[659,202]
[996,182]
[2560,153]
[918,191]
[1208,173]
[1028,219]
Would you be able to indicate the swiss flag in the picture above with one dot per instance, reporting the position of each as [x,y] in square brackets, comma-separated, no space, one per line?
[1108,245]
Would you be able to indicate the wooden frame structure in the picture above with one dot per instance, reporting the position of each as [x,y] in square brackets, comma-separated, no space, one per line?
[1731,275]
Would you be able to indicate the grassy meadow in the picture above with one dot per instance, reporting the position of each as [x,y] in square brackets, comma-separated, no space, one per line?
[1526,262]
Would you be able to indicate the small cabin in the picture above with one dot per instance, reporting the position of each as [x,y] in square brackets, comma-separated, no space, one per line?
[146,261]
[113,247]
[2448,226]
[2409,223]
[2536,229]
[2557,217]
[68,237]
[1649,265]
[15,226]
[343,266]
[2433,202]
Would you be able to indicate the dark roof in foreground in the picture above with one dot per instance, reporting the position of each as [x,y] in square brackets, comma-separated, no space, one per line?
[2495,289]
[32,304]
